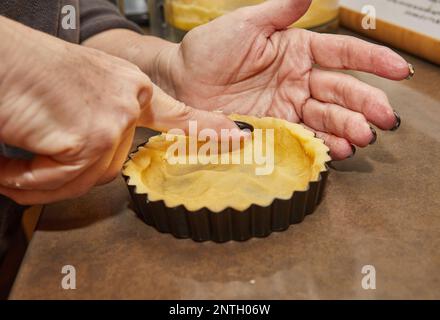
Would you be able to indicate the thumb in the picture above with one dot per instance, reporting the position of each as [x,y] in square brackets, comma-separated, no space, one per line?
[279,14]
[163,113]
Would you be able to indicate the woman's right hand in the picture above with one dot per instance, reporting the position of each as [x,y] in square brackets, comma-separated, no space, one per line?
[76,109]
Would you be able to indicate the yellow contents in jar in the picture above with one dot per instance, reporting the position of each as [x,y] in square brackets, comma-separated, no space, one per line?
[319,13]
[188,14]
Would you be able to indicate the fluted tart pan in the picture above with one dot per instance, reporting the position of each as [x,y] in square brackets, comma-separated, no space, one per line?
[230,216]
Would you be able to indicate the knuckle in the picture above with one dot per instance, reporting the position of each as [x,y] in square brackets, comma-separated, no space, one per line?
[326,118]
[345,88]
[346,53]
[374,105]
[130,109]
[144,95]
[106,143]
[381,96]
[358,118]
[137,76]
[135,68]
[184,112]
[106,139]
[74,145]
[351,124]
[144,79]
[129,115]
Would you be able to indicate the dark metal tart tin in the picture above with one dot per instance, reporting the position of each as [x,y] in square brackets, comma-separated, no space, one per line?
[229,224]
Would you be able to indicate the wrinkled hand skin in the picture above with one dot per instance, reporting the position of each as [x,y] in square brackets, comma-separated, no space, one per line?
[75,108]
[248,62]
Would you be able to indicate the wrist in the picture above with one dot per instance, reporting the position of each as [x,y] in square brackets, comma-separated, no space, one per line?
[162,68]
[27,55]
[9,46]
[154,56]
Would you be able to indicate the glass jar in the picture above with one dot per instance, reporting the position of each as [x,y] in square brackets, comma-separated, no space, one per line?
[183,15]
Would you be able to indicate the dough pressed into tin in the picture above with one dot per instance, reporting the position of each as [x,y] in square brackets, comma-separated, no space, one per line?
[299,158]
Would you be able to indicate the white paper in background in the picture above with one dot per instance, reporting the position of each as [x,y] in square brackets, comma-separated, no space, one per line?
[422,16]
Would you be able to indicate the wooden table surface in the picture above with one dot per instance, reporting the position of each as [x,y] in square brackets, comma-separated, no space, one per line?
[381,208]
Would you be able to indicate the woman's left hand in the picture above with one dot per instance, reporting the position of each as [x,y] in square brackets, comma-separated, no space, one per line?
[248,62]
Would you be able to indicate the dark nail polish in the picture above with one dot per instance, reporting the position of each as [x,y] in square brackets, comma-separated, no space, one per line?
[243,126]
[353,152]
[374,135]
[398,121]
[412,71]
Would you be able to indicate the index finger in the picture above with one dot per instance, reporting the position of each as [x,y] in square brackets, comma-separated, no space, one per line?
[345,52]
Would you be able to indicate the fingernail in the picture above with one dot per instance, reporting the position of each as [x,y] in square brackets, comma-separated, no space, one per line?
[412,71]
[373,131]
[244,125]
[398,121]
[353,152]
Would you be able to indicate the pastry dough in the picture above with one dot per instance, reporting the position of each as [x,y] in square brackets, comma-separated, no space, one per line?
[299,158]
